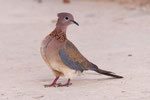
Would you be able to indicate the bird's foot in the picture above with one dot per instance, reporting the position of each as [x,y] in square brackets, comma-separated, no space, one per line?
[64,85]
[53,84]
[58,85]
[50,85]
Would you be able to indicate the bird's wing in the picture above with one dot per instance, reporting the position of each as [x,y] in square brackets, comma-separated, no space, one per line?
[71,57]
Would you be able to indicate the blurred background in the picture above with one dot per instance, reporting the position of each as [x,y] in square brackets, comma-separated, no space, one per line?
[114,34]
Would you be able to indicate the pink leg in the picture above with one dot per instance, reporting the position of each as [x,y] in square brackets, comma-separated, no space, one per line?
[53,84]
[66,84]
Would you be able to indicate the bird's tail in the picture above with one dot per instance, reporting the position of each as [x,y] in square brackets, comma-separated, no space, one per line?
[104,72]
[108,73]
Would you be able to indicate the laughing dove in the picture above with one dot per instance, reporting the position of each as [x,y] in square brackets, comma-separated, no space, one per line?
[63,57]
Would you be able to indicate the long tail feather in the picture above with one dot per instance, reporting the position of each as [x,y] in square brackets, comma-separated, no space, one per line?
[104,72]
[108,73]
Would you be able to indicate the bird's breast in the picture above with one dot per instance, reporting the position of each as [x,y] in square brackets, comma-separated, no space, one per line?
[49,49]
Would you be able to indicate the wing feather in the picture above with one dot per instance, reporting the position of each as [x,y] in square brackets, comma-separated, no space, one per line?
[71,57]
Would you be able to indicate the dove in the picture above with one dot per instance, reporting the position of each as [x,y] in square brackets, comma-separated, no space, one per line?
[62,56]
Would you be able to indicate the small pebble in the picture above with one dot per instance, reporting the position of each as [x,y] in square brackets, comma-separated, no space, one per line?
[129,55]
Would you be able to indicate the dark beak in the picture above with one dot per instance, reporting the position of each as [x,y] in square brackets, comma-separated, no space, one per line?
[74,22]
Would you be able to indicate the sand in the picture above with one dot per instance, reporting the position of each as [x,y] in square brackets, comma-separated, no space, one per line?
[113,36]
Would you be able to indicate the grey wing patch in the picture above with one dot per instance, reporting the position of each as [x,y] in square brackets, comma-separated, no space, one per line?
[69,62]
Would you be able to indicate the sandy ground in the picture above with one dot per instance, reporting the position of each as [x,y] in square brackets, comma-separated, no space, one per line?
[115,37]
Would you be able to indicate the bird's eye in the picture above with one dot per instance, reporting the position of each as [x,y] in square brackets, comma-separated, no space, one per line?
[66,18]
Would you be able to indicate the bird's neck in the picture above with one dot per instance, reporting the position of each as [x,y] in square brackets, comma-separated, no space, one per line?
[59,34]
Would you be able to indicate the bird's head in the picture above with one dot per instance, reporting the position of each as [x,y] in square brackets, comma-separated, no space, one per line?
[65,19]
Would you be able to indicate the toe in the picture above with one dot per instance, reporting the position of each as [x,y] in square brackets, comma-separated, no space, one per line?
[49,85]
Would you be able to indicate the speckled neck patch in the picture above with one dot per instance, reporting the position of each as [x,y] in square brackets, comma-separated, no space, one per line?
[59,35]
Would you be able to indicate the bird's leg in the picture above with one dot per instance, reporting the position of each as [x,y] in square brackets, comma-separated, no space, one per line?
[53,84]
[66,84]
